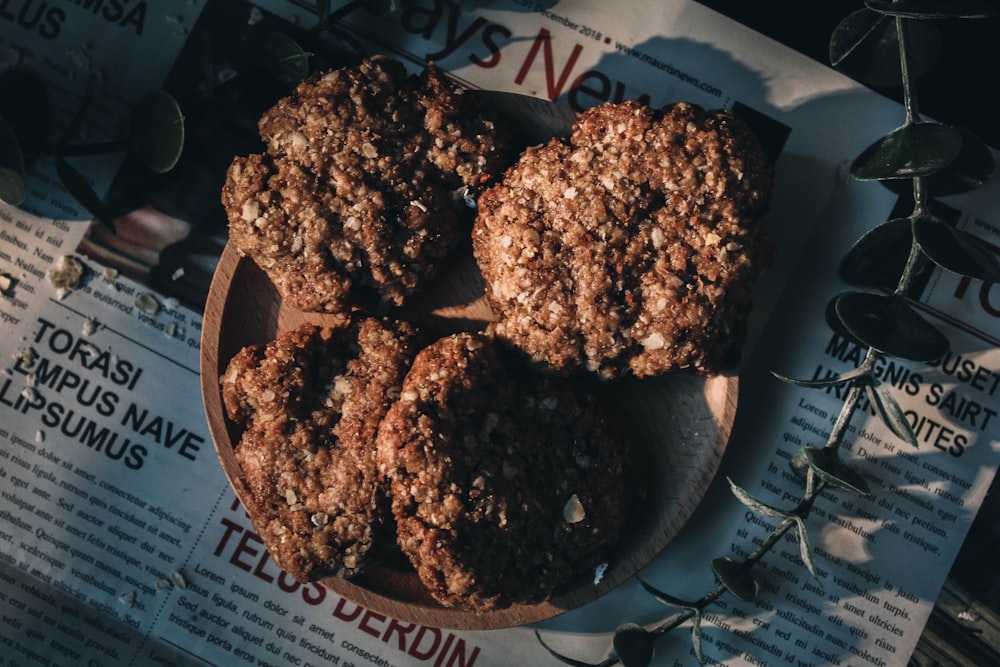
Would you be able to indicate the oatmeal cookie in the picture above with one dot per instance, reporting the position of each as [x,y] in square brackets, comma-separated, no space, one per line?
[633,246]
[311,402]
[361,187]
[504,483]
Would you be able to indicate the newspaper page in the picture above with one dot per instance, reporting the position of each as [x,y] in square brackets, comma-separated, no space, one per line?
[123,543]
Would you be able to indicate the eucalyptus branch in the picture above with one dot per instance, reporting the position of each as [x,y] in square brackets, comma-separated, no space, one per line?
[915,151]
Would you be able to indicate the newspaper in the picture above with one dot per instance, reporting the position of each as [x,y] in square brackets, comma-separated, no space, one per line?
[122,543]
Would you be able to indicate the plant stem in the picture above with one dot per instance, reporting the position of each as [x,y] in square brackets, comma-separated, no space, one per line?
[909,90]
[915,256]
[919,183]
[850,404]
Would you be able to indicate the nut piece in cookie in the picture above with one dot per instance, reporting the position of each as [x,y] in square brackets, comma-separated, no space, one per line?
[632,247]
[311,401]
[360,188]
[504,483]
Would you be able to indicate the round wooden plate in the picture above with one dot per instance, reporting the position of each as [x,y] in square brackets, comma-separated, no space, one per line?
[678,425]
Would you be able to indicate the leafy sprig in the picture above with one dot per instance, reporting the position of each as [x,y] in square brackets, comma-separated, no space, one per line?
[155,136]
[885,42]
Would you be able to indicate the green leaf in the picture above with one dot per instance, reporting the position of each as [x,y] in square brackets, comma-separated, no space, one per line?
[865,46]
[831,470]
[861,31]
[12,172]
[836,325]
[634,646]
[955,249]
[891,326]
[970,170]
[842,378]
[935,9]
[911,151]
[736,578]
[805,548]
[758,506]
[567,660]
[688,606]
[284,60]
[666,598]
[891,413]
[78,188]
[799,463]
[157,131]
[878,258]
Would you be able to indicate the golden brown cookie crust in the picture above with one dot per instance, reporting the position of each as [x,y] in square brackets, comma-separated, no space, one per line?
[505,483]
[631,248]
[311,402]
[361,186]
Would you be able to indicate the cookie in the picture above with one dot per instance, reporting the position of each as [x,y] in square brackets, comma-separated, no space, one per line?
[505,483]
[362,190]
[311,402]
[632,248]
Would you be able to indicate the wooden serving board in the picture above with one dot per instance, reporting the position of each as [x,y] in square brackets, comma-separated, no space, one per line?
[678,426]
